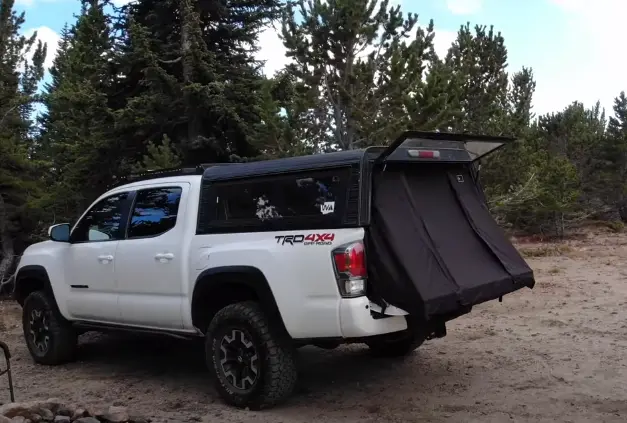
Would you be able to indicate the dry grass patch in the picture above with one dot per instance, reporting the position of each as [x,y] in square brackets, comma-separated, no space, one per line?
[547,250]
[555,270]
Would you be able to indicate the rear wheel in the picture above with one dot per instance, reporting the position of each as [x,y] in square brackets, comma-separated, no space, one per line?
[50,338]
[395,347]
[253,362]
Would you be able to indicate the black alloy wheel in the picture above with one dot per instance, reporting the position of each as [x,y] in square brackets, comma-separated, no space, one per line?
[239,360]
[39,330]
[252,359]
[50,338]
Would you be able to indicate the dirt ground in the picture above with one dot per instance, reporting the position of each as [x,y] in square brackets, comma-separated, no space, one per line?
[557,353]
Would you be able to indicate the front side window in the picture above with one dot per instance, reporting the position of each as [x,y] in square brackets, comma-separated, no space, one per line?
[102,222]
[154,212]
[307,195]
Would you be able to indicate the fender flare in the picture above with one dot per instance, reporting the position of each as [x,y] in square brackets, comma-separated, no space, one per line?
[249,276]
[31,272]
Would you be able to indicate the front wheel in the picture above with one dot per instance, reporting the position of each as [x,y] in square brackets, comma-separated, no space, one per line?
[253,362]
[49,337]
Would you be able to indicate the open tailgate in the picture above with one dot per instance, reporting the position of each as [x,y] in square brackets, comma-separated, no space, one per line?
[434,248]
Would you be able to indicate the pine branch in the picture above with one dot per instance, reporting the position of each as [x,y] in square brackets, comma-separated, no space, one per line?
[520,196]
[8,281]
[7,113]
[171,62]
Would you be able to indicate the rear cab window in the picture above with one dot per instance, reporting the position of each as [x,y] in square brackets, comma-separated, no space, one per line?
[300,199]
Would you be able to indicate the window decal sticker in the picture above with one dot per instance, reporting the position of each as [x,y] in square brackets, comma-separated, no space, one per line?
[327,207]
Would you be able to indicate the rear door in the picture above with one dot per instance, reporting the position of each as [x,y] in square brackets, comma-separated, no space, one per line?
[150,258]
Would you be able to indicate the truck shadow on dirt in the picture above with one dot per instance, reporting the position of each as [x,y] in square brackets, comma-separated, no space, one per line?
[178,364]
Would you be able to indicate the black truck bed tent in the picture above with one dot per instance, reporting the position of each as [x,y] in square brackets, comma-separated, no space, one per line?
[433,247]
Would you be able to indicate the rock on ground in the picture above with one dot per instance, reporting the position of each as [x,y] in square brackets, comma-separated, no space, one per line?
[54,411]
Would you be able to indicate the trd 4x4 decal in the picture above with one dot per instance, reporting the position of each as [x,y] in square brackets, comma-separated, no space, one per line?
[310,239]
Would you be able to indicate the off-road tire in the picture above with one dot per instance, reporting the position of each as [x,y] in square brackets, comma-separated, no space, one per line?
[62,338]
[395,348]
[277,374]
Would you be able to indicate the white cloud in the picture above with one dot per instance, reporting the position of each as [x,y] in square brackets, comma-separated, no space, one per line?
[442,42]
[272,50]
[591,65]
[117,3]
[571,5]
[48,36]
[28,3]
[464,7]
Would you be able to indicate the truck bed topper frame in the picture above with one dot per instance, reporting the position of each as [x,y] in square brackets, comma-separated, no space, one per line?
[409,146]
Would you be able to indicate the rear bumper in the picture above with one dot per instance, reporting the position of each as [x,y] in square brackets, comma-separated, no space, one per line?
[357,322]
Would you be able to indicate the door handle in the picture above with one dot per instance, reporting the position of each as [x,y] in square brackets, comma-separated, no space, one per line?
[105,258]
[163,257]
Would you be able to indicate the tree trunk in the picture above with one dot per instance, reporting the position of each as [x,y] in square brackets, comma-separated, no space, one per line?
[187,22]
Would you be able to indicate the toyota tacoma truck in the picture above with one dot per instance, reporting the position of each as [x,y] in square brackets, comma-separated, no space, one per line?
[381,246]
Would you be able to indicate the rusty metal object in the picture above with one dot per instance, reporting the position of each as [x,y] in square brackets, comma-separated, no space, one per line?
[7,357]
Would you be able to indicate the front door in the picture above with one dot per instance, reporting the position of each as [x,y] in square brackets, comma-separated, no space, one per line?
[91,260]
[150,260]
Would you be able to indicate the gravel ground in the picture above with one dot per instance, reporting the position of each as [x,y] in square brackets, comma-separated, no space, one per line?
[557,353]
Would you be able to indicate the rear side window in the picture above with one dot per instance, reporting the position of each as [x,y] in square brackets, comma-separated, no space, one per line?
[154,212]
[305,196]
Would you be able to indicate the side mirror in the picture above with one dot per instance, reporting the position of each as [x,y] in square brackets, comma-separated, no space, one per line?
[60,232]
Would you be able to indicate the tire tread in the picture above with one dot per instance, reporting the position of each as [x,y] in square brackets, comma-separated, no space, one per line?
[281,373]
[63,335]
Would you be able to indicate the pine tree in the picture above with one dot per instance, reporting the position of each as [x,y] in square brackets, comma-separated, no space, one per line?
[159,156]
[507,170]
[49,116]
[190,74]
[479,62]
[361,63]
[19,187]
[84,155]
[283,130]
[611,170]
[564,148]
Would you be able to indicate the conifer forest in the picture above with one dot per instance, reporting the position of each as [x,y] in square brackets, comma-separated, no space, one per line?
[163,83]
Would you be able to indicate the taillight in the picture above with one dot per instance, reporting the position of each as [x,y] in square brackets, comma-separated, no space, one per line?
[350,269]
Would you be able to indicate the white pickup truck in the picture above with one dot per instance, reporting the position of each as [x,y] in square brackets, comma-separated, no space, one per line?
[380,246]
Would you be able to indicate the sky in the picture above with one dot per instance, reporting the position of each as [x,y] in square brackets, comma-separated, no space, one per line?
[573,46]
